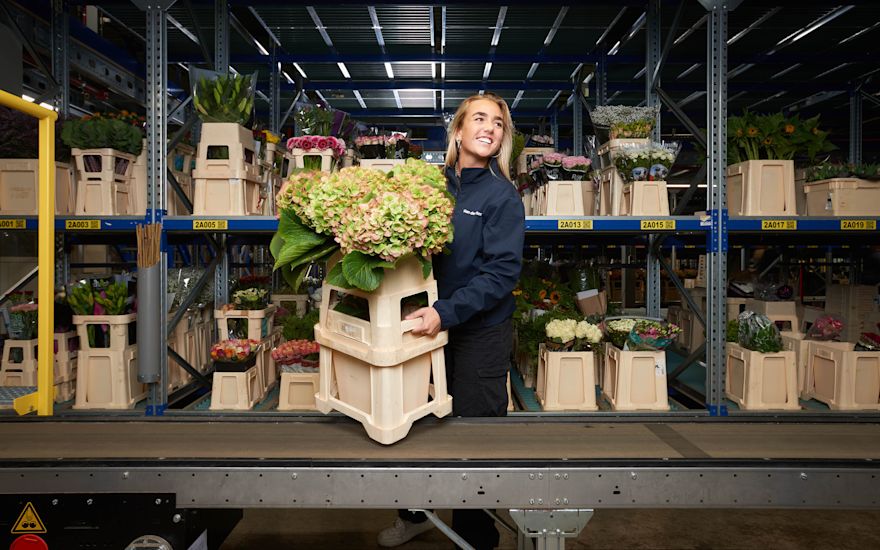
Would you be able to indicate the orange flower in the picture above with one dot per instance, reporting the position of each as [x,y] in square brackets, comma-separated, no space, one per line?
[542,294]
[789,128]
[554,297]
[752,131]
[739,132]
[768,141]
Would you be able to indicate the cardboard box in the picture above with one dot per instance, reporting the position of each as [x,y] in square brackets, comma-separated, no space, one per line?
[592,302]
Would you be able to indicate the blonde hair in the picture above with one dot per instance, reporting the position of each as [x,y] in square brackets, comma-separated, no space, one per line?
[503,155]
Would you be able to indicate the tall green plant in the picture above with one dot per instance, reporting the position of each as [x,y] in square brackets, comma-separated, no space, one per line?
[227,98]
[101,133]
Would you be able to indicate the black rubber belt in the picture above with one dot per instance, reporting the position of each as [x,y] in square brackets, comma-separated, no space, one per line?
[680,443]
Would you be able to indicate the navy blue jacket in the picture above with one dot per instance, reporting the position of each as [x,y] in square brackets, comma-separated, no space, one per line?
[476,280]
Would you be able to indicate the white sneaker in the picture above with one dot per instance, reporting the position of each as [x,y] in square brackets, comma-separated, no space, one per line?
[402,531]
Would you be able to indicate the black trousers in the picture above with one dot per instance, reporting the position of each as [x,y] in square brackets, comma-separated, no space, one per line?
[477,362]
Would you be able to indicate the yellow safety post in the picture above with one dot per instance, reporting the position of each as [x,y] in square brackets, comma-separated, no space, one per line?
[43,399]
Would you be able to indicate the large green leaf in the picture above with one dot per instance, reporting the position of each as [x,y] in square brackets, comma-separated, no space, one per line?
[316,254]
[335,277]
[426,265]
[275,245]
[298,240]
[363,271]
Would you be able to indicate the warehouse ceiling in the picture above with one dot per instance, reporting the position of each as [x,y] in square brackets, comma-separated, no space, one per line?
[384,60]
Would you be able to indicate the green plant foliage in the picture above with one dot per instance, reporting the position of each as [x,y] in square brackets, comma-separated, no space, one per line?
[364,271]
[753,137]
[519,143]
[113,298]
[828,171]
[102,133]
[227,98]
[300,328]
[732,330]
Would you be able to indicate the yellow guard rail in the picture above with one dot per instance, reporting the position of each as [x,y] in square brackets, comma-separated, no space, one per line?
[42,400]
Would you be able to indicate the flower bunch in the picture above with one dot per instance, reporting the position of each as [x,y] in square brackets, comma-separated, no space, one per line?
[828,171]
[572,335]
[625,121]
[553,159]
[541,140]
[576,163]
[617,331]
[826,327]
[234,351]
[294,351]
[374,218]
[751,136]
[651,335]
[250,299]
[650,162]
[23,321]
[758,333]
[318,143]
[267,136]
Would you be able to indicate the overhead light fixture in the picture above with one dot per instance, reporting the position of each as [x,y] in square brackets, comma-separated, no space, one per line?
[700,22]
[786,70]
[28,98]
[766,99]
[388,70]
[641,73]
[397,99]
[344,69]
[611,25]
[442,99]
[360,100]
[689,70]
[499,26]
[831,70]
[532,70]
[827,18]
[739,70]
[290,79]
[433,71]
[322,98]
[753,26]
[694,96]
[589,78]
[443,71]
[517,99]
[575,72]
[637,26]
[860,33]
[552,101]
[556,24]
[299,70]
[260,47]
[486,70]
[735,96]
[614,48]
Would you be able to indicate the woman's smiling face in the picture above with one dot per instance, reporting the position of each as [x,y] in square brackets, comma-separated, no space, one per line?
[480,134]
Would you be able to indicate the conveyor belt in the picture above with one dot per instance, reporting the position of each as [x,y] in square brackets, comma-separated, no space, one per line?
[451,463]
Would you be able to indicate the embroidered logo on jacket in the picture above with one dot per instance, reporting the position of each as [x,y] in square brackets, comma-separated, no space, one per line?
[472,212]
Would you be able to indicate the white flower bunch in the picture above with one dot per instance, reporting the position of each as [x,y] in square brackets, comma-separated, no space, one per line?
[621,325]
[606,115]
[564,330]
[588,331]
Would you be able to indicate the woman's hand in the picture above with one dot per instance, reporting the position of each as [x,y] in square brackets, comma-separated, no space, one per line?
[430,321]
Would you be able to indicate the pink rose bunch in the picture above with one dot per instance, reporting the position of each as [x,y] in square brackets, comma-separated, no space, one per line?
[319,143]
[576,163]
[553,159]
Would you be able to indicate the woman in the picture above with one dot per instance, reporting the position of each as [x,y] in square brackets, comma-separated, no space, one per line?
[475,284]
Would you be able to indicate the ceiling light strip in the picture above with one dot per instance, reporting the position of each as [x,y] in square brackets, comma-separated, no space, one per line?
[753,26]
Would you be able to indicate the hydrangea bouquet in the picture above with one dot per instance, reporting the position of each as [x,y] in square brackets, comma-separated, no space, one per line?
[375,219]
[650,162]
[572,335]
[651,335]
[624,121]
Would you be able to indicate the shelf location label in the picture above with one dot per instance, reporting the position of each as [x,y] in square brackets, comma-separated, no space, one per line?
[658,225]
[778,225]
[858,225]
[580,225]
[12,224]
[86,225]
[210,225]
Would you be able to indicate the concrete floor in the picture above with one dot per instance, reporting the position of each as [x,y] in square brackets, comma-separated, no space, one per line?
[608,529]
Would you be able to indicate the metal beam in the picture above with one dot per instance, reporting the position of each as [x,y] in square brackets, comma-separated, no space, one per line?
[60,59]
[428,85]
[855,125]
[221,36]
[203,45]
[419,58]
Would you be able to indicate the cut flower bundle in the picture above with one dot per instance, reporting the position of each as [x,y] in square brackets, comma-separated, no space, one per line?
[572,335]
[373,218]
[650,162]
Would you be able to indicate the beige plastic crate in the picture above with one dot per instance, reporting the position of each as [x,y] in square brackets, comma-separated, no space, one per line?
[27,367]
[566,380]
[645,198]
[635,380]
[609,150]
[761,187]
[386,339]
[610,192]
[800,179]
[843,197]
[266,365]
[385,399]
[65,371]
[781,313]
[107,379]
[236,391]
[698,295]
[701,271]
[686,323]
[106,191]
[673,315]
[259,321]
[66,344]
[735,306]
[65,391]
[386,165]
[119,326]
[19,180]
[227,197]
[521,165]
[527,368]
[184,177]
[797,343]
[568,198]
[844,380]
[297,157]
[241,164]
[300,303]
[298,391]
[761,381]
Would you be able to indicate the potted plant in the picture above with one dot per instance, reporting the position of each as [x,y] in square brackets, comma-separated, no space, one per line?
[567,360]
[842,190]
[234,355]
[249,315]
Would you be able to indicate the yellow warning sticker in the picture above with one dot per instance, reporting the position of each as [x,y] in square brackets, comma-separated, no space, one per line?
[12,224]
[88,225]
[28,521]
[779,225]
[210,225]
[657,225]
[858,225]
[583,225]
